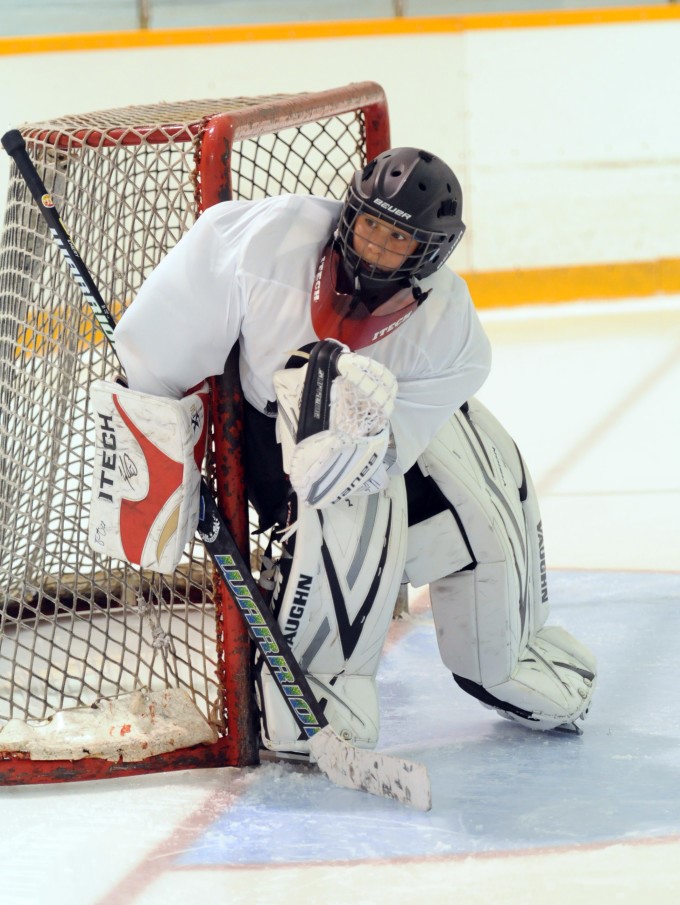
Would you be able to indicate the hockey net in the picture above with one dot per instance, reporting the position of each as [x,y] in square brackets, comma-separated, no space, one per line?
[106,669]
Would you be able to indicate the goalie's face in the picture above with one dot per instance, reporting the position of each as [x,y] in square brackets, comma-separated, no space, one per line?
[380,244]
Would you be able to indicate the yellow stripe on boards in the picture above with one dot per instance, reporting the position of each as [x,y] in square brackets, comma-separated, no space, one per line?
[303,31]
[543,285]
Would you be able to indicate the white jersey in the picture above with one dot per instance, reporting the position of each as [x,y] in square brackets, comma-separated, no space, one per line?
[245,272]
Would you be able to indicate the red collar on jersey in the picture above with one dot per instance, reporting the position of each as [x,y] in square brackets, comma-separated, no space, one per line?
[334,316]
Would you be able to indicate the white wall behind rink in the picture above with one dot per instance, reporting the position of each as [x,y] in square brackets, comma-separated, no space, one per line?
[566,139]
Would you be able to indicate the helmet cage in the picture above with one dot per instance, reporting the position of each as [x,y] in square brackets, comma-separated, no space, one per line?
[425,256]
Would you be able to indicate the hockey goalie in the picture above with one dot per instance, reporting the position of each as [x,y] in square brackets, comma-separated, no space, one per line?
[366,450]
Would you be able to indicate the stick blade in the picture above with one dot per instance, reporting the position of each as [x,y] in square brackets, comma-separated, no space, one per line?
[380,774]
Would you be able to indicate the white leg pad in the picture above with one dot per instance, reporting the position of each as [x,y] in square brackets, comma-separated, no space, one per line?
[350,705]
[485,614]
[335,613]
[490,617]
[551,685]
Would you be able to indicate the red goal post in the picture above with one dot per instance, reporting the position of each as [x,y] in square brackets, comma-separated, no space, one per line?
[101,663]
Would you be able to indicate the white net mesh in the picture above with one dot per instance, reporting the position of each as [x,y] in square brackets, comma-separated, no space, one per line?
[75,628]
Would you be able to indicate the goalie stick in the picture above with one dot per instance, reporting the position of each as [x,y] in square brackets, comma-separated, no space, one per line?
[341,762]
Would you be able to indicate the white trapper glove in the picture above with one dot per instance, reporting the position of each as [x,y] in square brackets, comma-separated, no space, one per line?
[348,457]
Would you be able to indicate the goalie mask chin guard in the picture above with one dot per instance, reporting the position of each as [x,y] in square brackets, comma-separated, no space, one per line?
[418,194]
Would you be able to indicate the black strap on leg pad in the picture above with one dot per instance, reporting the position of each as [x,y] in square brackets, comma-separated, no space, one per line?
[479,692]
[315,405]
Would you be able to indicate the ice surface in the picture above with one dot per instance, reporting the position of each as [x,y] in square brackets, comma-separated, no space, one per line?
[498,789]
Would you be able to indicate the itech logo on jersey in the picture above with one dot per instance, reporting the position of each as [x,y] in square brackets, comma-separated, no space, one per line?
[391,327]
[316,290]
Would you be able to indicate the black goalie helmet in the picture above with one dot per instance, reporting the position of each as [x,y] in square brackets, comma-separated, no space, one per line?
[421,197]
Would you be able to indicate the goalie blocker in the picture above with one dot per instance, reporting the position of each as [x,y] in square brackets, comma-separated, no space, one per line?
[147,473]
